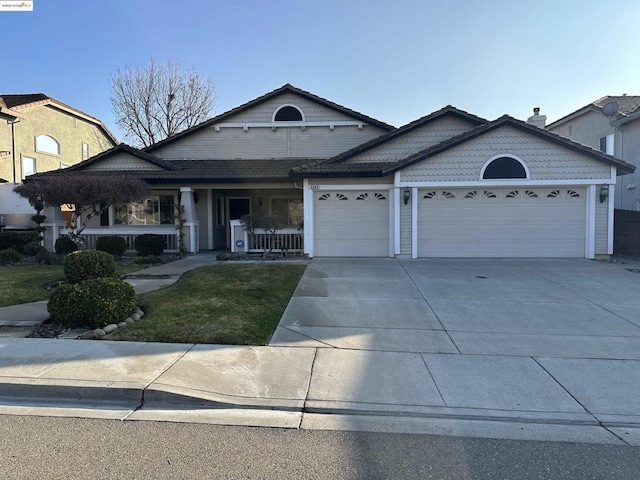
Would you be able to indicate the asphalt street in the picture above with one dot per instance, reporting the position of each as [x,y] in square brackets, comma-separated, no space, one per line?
[66,449]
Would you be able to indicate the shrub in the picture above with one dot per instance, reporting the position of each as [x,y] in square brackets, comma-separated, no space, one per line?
[32,248]
[93,303]
[86,264]
[149,244]
[9,255]
[16,240]
[151,259]
[65,246]
[112,244]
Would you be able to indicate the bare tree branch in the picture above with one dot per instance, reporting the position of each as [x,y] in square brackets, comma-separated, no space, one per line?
[154,102]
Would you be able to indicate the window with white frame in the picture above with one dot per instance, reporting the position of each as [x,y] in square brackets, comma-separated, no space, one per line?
[153,210]
[47,144]
[289,207]
[28,166]
[85,151]
[606,144]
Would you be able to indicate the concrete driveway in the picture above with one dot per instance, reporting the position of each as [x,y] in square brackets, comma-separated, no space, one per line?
[561,308]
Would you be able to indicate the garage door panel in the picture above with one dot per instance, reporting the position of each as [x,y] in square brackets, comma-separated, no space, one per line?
[502,222]
[353,224]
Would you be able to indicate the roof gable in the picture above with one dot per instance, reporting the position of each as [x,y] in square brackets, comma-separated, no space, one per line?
[123,158]
[285,90]
[400,134]
[507,121]
[629,106]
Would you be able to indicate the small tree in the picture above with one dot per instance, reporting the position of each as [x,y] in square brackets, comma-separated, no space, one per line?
[269,224]
[89,195]
[156,101]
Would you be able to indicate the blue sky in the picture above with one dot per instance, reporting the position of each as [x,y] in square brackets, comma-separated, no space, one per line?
[395,60]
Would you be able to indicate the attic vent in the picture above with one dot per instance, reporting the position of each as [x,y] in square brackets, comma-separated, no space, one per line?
[288,113]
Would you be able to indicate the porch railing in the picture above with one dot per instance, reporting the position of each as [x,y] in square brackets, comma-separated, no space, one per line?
[285,239]
[91,235]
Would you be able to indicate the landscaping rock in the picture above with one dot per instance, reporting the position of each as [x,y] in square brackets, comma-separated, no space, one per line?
[129,320]
[110,328]
[135,316]
[87,336]
[139,311]
[122,324]
[98,333]
[48,258]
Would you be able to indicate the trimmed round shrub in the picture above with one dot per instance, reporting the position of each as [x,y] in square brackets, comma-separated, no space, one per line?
[65,246]
[111,244]
[32,248]
[9,255]
[149,244]
[93,303]
[86,264]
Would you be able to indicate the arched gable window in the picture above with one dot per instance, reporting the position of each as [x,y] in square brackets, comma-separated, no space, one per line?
[47,144]
[504,167]
[288,113]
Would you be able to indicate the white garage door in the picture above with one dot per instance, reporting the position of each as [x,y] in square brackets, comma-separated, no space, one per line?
[351,224]
[502,222]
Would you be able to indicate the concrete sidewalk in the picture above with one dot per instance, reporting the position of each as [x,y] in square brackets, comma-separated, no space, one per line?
[319,388]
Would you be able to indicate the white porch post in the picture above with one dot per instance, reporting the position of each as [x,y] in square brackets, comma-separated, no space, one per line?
[190,221]
[307,201]
[53,224]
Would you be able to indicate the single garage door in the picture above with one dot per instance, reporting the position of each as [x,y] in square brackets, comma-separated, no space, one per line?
[351,224]
[502,222]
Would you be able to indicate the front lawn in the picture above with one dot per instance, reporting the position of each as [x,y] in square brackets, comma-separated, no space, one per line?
[27,283]
[239,304]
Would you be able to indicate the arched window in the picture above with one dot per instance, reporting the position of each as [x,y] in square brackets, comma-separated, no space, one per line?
[47,144]
[504,167]
[288,113]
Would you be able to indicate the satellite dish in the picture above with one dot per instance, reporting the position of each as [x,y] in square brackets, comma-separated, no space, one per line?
[610,109]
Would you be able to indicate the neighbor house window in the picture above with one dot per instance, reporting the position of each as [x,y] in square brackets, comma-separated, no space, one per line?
[47,144]
[606,144]
[504,167]
[28,166]
[85,151]
[288,207]
[153,210]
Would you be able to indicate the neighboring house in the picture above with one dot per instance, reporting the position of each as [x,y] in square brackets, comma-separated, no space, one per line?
[615,132]
[449,184]
[39,133]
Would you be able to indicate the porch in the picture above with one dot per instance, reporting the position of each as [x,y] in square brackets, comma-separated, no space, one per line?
[290,239]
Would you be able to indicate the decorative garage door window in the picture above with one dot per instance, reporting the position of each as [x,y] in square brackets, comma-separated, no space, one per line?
[516,194]
[357,196]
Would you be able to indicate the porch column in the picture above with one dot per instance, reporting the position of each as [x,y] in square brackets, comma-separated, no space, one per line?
[191,223]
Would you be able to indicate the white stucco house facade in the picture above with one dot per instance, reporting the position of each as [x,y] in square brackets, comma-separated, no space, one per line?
[449,184]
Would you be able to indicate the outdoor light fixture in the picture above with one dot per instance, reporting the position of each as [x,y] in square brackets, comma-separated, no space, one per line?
[195,197]
[604,193]
[407,196]
[259,201]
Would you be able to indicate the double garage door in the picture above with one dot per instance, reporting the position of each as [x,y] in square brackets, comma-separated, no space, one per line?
[472,222]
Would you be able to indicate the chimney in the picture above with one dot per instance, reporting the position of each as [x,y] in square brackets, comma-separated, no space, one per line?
[536,119]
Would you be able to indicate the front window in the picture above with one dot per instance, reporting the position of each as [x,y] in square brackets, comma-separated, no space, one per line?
[28,166]
[153,210]
[290,208]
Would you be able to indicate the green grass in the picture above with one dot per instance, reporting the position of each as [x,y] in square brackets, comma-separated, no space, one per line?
[24,284]
[235,304]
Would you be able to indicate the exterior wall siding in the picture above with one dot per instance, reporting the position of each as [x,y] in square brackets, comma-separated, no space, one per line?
[122,162]
[261,142]
[68,130]
[601,227]
[313,112]
[415,141]
[545,160]
[405,227]
[352,181]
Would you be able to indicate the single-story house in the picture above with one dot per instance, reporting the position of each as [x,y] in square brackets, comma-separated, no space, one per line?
[450,184]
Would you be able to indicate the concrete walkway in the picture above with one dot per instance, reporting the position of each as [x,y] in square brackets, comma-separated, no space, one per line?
[357,379]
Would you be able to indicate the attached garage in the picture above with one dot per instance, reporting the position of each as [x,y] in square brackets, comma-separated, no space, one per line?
[502,222]
[351,223]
